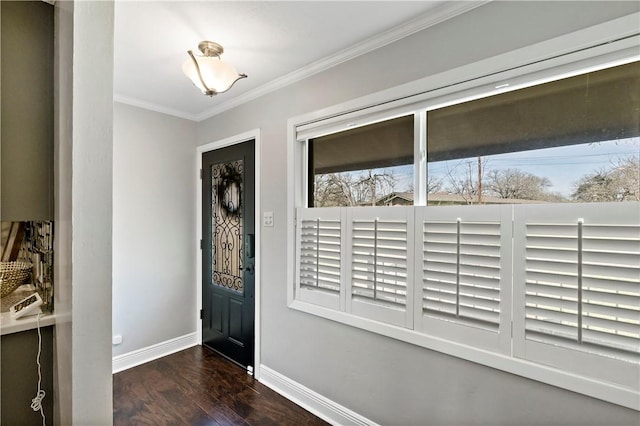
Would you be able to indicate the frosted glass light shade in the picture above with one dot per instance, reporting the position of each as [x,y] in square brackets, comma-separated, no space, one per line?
[217,74]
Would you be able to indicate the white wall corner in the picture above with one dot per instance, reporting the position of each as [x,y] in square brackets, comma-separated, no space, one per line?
[153,352]
[311,401]
[127,100]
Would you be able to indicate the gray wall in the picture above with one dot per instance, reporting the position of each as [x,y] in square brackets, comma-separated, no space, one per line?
[154,171]
[388,381]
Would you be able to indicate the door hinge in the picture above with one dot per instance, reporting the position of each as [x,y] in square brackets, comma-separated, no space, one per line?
[201,173]
[200,313]
[200,244]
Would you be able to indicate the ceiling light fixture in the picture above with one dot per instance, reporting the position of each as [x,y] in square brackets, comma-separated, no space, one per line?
[209,73]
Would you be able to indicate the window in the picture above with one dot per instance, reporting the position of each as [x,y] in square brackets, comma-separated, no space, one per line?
[569,140]
[514,240]
[364,166]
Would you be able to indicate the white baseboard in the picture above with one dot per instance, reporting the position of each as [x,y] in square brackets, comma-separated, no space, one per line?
[311,401]
[140,356]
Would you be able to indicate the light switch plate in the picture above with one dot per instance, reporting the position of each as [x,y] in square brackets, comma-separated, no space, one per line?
[267,219]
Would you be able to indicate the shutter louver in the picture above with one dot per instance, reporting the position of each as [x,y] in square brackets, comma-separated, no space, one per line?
[583,287]
[440,268]
[381,245]
[379,262]
[611,287]
[464,294]
[320,257]
[461,275]
[551,275]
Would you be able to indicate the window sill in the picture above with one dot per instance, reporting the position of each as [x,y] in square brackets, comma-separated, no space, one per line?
[615,394]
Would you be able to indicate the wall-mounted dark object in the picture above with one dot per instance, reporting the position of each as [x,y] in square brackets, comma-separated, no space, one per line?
[26,72]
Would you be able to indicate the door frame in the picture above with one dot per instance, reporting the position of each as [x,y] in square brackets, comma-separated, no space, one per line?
[212,146]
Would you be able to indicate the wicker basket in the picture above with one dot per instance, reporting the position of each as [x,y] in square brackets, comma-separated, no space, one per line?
[13,275]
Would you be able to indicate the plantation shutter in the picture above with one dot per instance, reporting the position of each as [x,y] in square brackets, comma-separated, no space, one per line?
[380,259]
[583,286]
[579,303]
[611,287]
[462,271]
[551,285]
[319,260]
[466,273]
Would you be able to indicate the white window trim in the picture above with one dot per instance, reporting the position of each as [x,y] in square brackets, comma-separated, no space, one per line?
[564,56]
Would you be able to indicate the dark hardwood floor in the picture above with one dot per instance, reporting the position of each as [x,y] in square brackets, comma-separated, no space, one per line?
[199,387]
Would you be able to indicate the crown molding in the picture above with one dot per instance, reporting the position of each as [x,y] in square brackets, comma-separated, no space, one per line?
[436,15]
[153,107]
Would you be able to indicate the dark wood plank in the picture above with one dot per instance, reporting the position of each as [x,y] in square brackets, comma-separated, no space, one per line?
[199,387]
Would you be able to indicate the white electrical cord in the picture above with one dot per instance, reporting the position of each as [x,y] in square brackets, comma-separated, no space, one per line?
[36,403]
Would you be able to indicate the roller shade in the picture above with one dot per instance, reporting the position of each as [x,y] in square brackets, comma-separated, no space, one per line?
[598,106]
[384,144]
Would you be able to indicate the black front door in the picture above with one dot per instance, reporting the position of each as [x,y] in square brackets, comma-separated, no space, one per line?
[228,251]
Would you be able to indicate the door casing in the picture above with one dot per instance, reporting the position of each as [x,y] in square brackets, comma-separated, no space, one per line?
[233,140]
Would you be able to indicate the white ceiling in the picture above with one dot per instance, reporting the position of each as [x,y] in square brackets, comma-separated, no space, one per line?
[275,43]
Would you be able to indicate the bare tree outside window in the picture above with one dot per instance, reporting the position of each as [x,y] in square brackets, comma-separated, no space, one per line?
[607,171]
[513,183]
[361,188]
[465,179]
[332,190]
[434,184]
[620,182]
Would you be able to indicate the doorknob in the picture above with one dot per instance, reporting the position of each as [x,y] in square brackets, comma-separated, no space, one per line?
[249,268]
